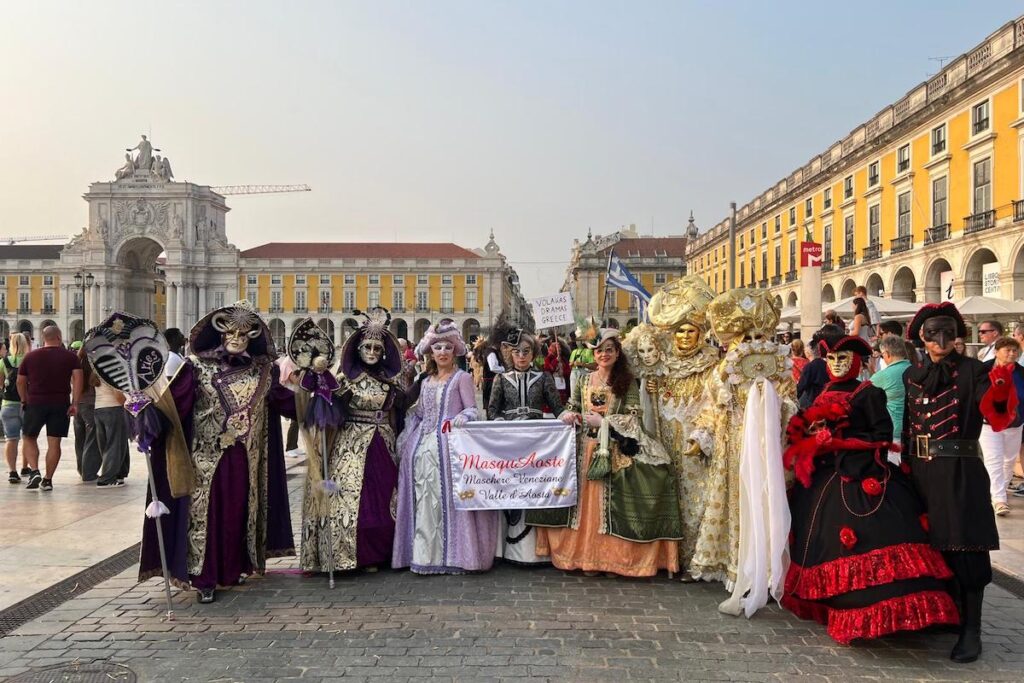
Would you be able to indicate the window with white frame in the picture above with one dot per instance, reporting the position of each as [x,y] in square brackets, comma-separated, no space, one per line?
[446,279]
[661,278]
[77,301]
[446,301]
[375,279]
[300,299]
[764,264]
[275,300]
[422,279]
[22,301]
[938,140]
[3,280]
[940,215]
[275,279]
[874,224]
[422,303]
[982,176]
[300,279]
[848,223]
[471,279]
[808,207]
[218,299]
[903,214]
[873,177]
[3,301]
[325,278]
[792,255]
[827,247]
[979,118]
[251,296]
[903,158]
[792,215]
[349,299]
[743,274]
[826,198]
[778,223]
[764,230]
[350,278]
[374,298]
[398,299]
[397,279]
[778,259]
[470,300]
[48,302]
[47,281]
[250,281]
[325,298]
[848,187]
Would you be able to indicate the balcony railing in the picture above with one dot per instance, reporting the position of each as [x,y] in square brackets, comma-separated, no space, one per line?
[763,284]
[1018,211]
[3,311]
[398,309]
[872,252]
[470,309]
[447,309]
[300,309]
[276,309]
[24,311]
[979,221]
[940,233]
[423,309]
[791,276]
[77,310]
[849,259]
[325,309]
[776,280]
[901,244]
[827,264]
[48,310]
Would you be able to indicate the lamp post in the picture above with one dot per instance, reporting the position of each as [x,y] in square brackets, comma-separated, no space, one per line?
[84,281]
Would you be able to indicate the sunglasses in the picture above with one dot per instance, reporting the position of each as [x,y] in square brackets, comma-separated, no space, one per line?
[985,331]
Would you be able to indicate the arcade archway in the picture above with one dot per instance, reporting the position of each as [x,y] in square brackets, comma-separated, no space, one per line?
[137,261]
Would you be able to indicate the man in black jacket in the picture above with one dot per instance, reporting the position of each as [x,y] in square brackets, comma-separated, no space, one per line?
[947,396]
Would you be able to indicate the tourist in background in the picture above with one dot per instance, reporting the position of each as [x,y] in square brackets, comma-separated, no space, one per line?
[890,380]
[556,362]
[989,332]
[111,436]
[874,319]
[815,374]
[11,412]
[1001,449]
[797,355]
[176,356]
[890,328]
[581,362]
[49,384]
[832,318]
[88,457]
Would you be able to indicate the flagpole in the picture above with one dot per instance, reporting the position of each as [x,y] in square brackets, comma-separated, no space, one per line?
[604,299]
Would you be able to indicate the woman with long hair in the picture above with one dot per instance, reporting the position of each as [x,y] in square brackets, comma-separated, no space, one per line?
[431,536]
[11,411]
[626,518]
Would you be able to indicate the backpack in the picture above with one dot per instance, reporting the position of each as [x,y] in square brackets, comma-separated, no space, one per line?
[10,392]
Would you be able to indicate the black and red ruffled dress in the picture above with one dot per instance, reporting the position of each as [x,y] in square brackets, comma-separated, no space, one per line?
[861,561]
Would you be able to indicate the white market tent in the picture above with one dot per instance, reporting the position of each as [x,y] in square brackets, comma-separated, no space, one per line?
[973,308]
[887,308]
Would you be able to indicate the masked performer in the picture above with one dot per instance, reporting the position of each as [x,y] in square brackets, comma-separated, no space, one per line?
[431,536]
[626,520]
[361,464]
[861,560]
[948,398]
[675,364]
[520,393]
[742,538]
[220,456]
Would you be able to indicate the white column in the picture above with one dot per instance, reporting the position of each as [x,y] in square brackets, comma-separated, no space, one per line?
[202,301]
[169,313]
[179,317]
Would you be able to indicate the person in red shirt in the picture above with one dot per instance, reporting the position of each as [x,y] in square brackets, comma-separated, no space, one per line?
[49,383]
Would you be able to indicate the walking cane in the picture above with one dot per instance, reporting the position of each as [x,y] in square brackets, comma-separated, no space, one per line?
[155,511]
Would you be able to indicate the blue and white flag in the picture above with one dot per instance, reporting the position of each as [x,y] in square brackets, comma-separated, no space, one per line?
[618,275]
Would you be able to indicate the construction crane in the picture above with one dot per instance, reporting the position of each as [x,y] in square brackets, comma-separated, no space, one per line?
[259,189]
[32,238]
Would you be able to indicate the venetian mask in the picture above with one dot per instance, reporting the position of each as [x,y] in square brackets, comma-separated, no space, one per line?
[606,353]
[687,339]
[235,340]
[237,326]
[839,363]
[647,351]
[522,356]
[939,330]
[371,351]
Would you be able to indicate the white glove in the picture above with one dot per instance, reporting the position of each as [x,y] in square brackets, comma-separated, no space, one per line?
[459,420]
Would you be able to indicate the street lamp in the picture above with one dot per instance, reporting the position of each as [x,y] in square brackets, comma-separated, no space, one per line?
[83,281]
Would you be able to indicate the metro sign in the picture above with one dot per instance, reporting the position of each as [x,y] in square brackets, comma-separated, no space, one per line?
[810,255]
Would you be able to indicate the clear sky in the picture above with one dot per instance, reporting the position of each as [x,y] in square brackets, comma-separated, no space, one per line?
[438,121]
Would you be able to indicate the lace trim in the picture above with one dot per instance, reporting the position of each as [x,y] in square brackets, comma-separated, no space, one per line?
[873,568]
[905,613]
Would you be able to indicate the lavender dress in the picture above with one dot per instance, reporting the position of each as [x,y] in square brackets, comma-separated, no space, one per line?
[431,536]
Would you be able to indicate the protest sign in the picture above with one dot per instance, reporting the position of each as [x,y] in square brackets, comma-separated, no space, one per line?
[553,311]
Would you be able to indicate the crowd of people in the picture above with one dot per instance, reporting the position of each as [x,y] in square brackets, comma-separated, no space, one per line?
[854,478]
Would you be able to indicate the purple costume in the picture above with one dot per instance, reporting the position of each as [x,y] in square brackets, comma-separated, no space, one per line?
[431,536]
[236,514]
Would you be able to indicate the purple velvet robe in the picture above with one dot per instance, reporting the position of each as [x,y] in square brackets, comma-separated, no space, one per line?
[227,557]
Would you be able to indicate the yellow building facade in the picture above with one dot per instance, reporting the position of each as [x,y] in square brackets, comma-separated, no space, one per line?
[922,202]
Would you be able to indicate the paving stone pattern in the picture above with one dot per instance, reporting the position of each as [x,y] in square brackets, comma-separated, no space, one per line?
[511,623]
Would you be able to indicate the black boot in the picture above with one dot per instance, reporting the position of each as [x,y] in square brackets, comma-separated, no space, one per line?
[968,646]
[204,596]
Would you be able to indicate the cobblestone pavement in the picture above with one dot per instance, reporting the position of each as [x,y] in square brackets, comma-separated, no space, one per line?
[511,623]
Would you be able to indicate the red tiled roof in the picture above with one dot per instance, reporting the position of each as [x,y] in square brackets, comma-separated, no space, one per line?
[30,251]
[649,247]
[359,250]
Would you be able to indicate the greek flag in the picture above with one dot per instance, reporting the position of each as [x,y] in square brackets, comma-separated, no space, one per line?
[618,275]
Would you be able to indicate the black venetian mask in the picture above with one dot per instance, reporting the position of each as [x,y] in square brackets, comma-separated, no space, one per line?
[940,329]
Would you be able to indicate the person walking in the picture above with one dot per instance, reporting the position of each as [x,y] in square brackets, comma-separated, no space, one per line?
[11,411]
[111,436]
[49,383]
[1000,449]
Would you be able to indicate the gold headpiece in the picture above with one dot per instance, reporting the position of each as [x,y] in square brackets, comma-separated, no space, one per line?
[743,312]
[679,302]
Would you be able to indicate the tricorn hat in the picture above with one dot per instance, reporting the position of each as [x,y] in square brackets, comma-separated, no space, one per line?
[844,342]
[946,308]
